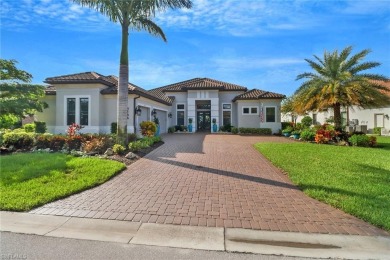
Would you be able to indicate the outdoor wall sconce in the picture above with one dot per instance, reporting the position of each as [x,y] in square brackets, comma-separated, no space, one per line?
[154,112]
[138,111]
[387,117]
[170,115]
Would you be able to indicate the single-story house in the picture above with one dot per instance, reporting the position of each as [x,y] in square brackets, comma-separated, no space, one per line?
[359,119]
[90,99]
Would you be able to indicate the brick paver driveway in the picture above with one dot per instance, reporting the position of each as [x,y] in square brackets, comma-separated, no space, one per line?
[209,180]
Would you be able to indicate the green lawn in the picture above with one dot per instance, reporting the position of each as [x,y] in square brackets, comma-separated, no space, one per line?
[31,179]
[354,179]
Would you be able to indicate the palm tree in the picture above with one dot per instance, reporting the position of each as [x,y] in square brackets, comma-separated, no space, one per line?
[134,14]
[338,81]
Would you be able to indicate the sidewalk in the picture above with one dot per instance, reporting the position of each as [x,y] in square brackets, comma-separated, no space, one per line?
[195,237]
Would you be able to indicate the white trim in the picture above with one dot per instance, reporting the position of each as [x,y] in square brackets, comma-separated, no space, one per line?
[250,110]
[77,108]
[265,114]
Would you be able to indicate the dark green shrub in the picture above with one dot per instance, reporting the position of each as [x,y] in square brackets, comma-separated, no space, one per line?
[306,121]
[258,131]
[288,129]
[29,128]
[19,140]
[119,149]
[377,130]
[114,127]
[40,127]
[359,140]
[226,128]
[234,130]
[171,130]
[308,134]
[131,137]
[285,125]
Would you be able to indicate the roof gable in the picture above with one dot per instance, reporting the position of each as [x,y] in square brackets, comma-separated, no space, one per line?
[200,84]
[258,94]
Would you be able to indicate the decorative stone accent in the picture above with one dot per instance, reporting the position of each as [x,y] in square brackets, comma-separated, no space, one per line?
[109,152]
[131,155]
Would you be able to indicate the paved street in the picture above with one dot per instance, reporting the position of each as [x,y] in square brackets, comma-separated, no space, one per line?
[209,180]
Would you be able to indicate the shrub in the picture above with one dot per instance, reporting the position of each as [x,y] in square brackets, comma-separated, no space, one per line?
[308,134]
[306,121]
[19,140]
[171,130]
[372,141]
[118,149]
[73,129]
[259,131]
[40,127]
[131,137]
[98,144]
[135,146]
[286,124]
[359,140]
[43,141]
[114,127]
[377,130]
[288,129]
[29,128]
[227,128]
[74,142]
[148,128]
[57,142]
[234,130]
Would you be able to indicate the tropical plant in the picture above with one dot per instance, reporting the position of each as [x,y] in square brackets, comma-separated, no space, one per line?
[306,121]
[18,97]
[148,128]
[338,81]
[133,14]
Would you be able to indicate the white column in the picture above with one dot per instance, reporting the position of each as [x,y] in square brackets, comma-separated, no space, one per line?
[214,112]
[191,112]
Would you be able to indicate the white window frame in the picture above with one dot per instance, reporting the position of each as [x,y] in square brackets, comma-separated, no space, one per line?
[77,109]
[184,110]
[224,109]
[265,114]
[250,110]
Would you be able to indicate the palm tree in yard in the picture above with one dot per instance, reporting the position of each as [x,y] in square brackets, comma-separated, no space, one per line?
[133,14]
[338,80]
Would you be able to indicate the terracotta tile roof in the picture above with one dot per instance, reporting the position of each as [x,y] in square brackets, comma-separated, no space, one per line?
[50,90]
[258,94]
[200,84]
[110,81]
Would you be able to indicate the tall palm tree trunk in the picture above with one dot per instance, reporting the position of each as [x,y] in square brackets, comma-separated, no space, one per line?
[337,116]
[122,104]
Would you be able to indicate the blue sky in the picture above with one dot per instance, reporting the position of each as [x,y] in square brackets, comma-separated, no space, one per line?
[257,44]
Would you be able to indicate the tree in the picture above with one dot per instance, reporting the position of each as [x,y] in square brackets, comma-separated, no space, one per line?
[338,81]
[18,97]
[288,108]
[134,14]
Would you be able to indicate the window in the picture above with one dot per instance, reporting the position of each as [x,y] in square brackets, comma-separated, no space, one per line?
[203,106]
[270,114]
[180,115]
[71,111]
[226,114]
[250,110]
[253,110]
[227,106]
[77,110]
[84,111]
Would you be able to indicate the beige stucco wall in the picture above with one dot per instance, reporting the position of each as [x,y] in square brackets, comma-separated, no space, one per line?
[49,114]
[254,121]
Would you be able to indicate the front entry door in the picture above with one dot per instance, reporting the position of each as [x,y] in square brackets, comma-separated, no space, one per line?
[203,120]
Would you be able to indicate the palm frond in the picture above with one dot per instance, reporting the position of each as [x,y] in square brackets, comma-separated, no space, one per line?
[143,23]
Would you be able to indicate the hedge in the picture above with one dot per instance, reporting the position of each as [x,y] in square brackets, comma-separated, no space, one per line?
[257,131]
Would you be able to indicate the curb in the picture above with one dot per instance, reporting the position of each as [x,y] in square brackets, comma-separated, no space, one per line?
[204,238]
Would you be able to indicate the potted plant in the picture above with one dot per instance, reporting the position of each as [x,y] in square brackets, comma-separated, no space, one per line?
[157,122]
[215,127]
[287,131]
[296,134]
[190,125]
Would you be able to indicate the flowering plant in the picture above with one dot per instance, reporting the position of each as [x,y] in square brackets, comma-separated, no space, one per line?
[73,129]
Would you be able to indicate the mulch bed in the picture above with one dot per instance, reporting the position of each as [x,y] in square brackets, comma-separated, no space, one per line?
[140,154]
